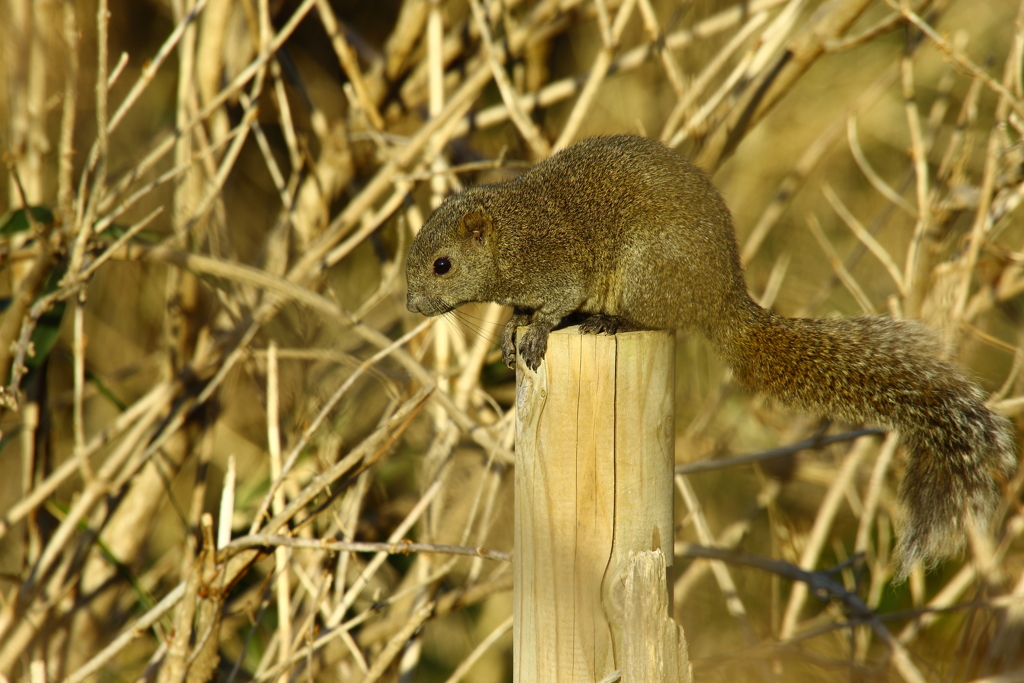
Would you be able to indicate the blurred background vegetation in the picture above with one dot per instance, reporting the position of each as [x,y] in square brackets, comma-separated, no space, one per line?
[203,327]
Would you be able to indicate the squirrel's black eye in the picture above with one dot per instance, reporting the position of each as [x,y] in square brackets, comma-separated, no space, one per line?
[442,265]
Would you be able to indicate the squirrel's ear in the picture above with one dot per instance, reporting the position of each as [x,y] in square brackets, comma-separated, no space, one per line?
[476,225]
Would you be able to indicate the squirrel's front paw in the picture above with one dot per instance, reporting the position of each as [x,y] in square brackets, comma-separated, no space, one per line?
[533,346]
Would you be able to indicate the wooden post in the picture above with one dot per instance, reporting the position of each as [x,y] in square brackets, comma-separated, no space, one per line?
[594,462]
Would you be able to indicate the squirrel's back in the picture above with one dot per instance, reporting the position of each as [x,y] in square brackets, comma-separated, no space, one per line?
[652,219]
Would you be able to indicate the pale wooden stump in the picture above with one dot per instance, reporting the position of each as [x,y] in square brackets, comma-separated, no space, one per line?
[594,462]
[653,645]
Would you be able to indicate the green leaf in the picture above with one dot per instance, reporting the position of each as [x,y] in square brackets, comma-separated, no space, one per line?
[115,232]
[17,221]
[105,391]
[48,328]
[146,601]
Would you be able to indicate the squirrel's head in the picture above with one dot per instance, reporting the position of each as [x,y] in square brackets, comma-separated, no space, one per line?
[450,262]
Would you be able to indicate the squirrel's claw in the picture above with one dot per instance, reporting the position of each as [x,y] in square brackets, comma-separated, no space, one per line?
[602,324]
[533,346]
[508,351]
[508,343]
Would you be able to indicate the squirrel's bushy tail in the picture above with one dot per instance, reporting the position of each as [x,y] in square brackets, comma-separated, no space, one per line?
[955,469]
[891,372]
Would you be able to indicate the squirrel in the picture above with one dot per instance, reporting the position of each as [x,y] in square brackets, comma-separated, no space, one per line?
[626,234]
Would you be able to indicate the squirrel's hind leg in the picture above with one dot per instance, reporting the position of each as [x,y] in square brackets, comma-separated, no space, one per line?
[604,324]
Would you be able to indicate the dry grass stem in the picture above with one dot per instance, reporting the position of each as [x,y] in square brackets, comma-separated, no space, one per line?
[866,238]
[837,264]
[815,542]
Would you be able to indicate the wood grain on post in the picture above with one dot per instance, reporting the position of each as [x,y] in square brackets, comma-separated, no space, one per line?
[593,481]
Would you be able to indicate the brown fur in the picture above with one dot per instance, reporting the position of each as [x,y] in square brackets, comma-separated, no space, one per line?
[632,236]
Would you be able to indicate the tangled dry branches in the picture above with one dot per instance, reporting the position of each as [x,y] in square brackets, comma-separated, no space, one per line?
[221,428]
